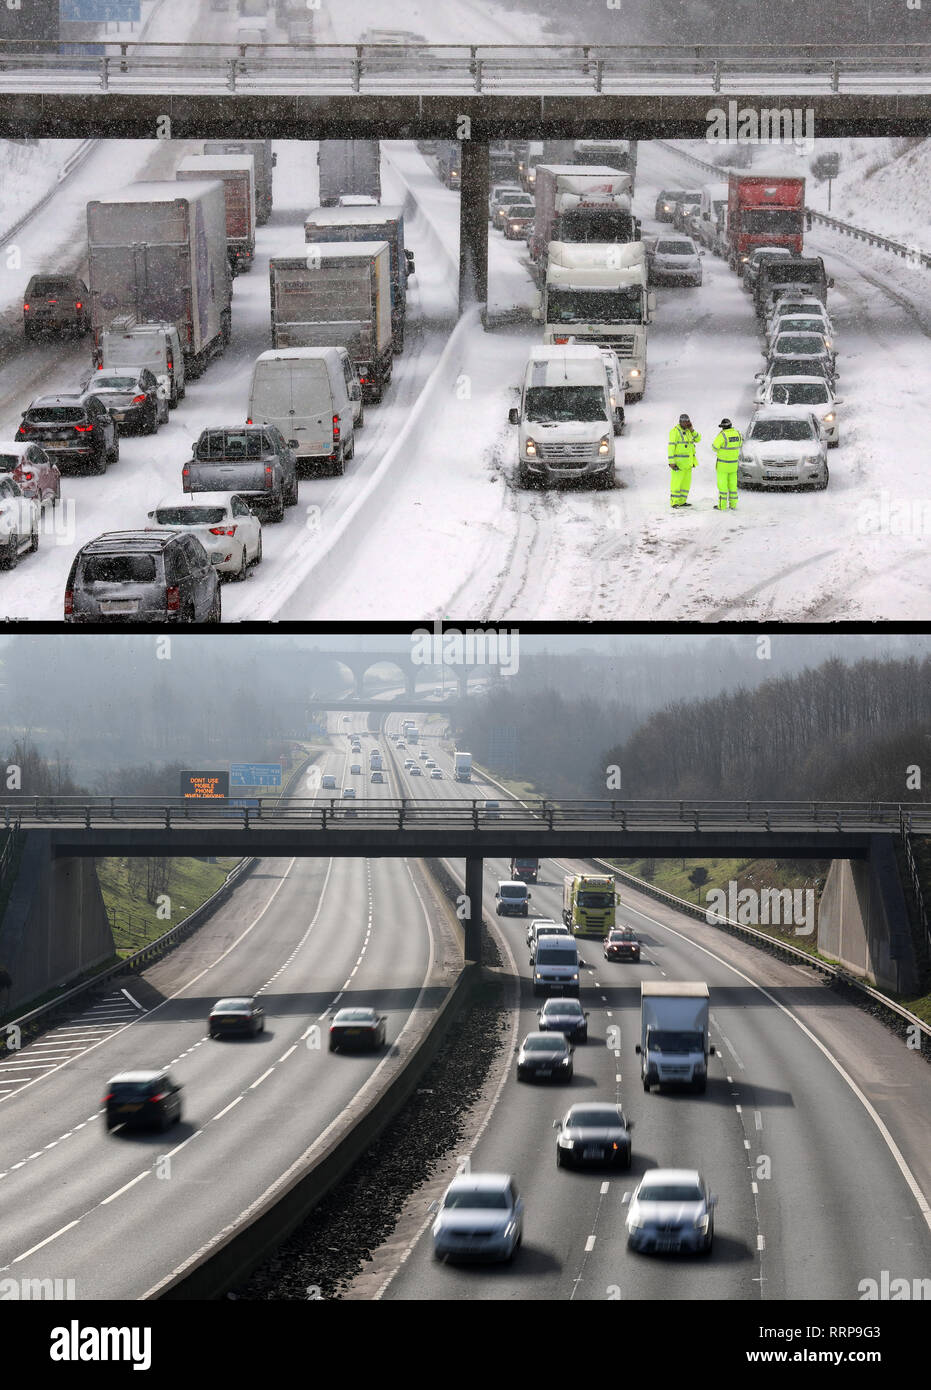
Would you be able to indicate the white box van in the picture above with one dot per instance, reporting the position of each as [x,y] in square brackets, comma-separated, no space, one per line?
[129,343]
[512,898]
[307,393]
[565,420]
[555,964]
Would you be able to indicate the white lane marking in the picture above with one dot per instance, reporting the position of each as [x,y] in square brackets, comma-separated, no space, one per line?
[130,998]
[285,1055]
[589,1244]
[758,1119]
[739,1109]
[125,1188]
[47,1241]
[259,1079]
[892,1146]
[761,1242]
[604,1188]
[227,1108]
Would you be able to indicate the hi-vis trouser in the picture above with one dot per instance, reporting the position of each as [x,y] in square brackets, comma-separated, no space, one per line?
[679,484]
[727,450]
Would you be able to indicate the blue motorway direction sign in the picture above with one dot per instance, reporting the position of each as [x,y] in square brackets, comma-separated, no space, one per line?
[255,774]
[98,11]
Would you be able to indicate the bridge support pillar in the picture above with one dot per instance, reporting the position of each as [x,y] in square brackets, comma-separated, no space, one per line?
[473,227]
[473,922]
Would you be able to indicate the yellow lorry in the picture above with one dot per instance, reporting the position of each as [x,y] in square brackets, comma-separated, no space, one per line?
[588,904]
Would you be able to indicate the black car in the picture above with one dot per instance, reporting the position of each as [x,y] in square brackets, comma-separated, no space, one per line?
[358,1028]
[544,1056]
[56,304]
[244,1015]
[564,1016]
[666,204]
[73,426]
[621,944]
[593,1132]
[142,576]
[131,396]
[142,1098]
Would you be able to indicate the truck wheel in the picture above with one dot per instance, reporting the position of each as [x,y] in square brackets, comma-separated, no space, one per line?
[700,1085]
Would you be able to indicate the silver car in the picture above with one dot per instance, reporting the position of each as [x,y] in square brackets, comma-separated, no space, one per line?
[813,393]
[803,347]
[480,1217]
[675,260]
[784,446]
[671,1210]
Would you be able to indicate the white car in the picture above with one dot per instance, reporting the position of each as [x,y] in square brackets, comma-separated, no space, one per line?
[19,523]
[671,1209]
[799,323]
[492,810]
[784,446]
[436,773]
[328,781]
[349,793]
[223,522]
[806,306]
[675,260]
[502,194]
[423,754]
[408,763]
[481,1214]
[812,392]
[356,770]
[802,347]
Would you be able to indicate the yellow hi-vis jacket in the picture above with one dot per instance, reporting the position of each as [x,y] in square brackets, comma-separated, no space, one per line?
[727,446]
[682,447]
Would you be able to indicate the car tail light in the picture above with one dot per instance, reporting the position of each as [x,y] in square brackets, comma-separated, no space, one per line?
[185,478]
[78,304]
[335,429]
[171,364]
[269,476]
[560,340]
[248,422]
[222,531]
[83,429]
[138,400]
[69,610]
[163,1095]
[173,598]
[28,477]
[108,1096]
[25,308]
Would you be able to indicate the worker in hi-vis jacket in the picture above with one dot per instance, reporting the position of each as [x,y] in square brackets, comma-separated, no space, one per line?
[682,441]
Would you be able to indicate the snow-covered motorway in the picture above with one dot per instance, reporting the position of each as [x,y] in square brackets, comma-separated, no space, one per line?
[118,1213]
[814,1131]
[429,503]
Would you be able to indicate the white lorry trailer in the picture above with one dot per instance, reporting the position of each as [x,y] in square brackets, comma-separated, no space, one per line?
[462,767]
[674,1047]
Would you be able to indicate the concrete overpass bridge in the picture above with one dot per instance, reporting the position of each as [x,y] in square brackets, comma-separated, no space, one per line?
[413,670]
[63,833]
[466,92]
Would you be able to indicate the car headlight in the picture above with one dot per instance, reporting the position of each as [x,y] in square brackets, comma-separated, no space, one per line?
[744,458]
[635,1221]
[634,371]
[811,460]
[565,1142]
[574,975]
[565,1061]
[604,446]
[701,1222]
[540,977]
[530,448]
[829,418]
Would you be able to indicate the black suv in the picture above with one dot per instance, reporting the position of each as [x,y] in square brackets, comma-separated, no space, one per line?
[131,396]
[142,576]
[55,303]
[75,426]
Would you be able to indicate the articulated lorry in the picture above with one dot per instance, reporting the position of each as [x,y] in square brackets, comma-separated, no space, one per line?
[383,223]
[588,904]
[597,293]
[580,203]
[348,167]
[158,251]
[673,1047]
[763,210]
[237,174]
[263,163]
[462,767]
[337,296]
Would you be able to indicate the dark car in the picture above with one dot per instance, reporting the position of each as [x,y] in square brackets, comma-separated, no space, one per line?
[544,1055]
[74,426]
[244,1015]
[358,1028]
[621,944]
[143,1098]
[593,1132]
[564,1016]
[131,396]
[666,204]
[32,468]
[55,304]
[142,576]
[754,263]
[254,460]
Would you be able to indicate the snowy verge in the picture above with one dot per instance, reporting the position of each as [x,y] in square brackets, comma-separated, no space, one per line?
[415,205]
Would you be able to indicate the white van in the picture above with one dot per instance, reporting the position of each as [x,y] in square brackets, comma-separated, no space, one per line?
[308,393]
[555,962]
[565,418]
[129,343]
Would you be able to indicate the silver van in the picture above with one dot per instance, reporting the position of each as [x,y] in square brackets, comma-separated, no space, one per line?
[556,965]
[313,396]
[157,345]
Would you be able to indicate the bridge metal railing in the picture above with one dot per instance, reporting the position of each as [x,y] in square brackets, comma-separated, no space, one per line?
[319,813]
[351,68]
